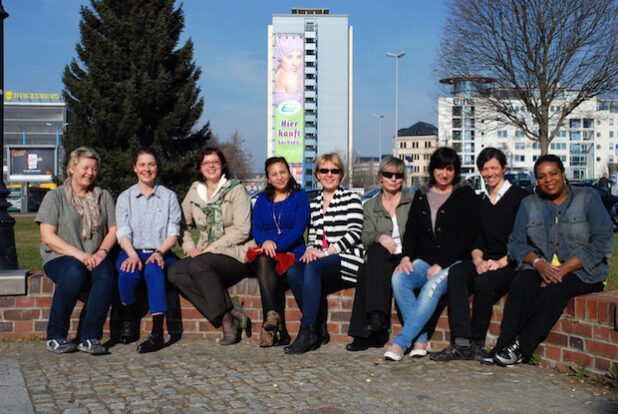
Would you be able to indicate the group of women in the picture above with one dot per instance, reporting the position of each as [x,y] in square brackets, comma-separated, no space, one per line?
[442,239]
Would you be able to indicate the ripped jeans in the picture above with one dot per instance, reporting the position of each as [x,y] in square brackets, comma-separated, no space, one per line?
[417,311]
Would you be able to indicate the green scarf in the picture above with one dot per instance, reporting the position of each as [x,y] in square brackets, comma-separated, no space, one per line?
[214,216]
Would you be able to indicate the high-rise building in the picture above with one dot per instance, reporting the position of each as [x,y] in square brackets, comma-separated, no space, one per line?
[309,89]
[587,141]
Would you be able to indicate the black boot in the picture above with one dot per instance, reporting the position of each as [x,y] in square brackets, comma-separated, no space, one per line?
[131,324]
[324,336]
[307,340]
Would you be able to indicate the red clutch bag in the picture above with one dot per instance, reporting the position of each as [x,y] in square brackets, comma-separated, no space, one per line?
[283,260]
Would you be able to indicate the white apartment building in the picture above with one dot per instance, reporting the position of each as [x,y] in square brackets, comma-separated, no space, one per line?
[586,143]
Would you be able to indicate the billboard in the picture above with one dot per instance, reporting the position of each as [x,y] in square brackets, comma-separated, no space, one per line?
[289,108]
[32,163]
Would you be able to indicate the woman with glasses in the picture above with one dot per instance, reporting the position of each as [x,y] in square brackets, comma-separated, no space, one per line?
[220,208]
[441,228]
[384,223]
[334,251]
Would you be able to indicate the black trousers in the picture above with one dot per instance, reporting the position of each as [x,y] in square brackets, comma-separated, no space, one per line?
[204,281]
[373,289]
[272,287]
[531,310]
[488,288]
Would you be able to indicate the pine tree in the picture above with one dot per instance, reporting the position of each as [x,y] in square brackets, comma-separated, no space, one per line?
[132,87]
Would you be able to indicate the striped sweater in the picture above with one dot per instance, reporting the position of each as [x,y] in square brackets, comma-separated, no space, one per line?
[343,224]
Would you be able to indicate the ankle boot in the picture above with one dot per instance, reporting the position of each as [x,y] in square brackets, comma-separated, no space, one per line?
[307,340]
[324,336]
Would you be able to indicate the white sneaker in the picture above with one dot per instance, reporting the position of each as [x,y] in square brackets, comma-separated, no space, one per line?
[392,354]
[419,353]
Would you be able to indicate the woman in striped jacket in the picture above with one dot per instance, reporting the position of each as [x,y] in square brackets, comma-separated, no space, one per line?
[334,249]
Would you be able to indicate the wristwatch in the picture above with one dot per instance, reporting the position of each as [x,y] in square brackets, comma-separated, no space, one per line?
[104,251]
[325,251]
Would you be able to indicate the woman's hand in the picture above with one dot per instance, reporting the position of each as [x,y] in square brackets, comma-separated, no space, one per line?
[89,260]
[433,270]
[131,263]
[269,248]
[388,243]
[481,266]
[497,264]
[549,273]
[193,253]
[404,266]
[311,254]
[157,258]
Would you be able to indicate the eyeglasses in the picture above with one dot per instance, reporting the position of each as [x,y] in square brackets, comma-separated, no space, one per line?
[210,163]
[387,174]
[333,171]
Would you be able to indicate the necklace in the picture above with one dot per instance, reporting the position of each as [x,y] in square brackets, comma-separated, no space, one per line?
[277,220]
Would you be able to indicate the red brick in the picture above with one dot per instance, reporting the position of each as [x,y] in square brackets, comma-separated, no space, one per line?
[23,326]
[602,348]
[40,326]
[576,343]
[396,330]
[255,303]
[21,314]
[576,327]
[347,303]
[191,314]
[552,352]
[45,313]
[592,309]
[184,303]
[601,332]
[7,302]
[613,336]
[570,309]
[48,285]
[334,302]
[612,312]
[44,302]
[602,364]
[569,356]
[494,327]
[340,316]
[443,323]
[557,339]
[34,284]
[348,292]
[6,326]
[190,325]
[293,315]
[252,286]
[603,312]
[580,307]
[24,302]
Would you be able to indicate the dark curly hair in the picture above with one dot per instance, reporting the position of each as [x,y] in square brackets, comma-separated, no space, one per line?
[292,184]
[207,151]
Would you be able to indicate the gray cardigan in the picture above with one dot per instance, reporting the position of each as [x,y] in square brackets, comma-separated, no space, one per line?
[377,221]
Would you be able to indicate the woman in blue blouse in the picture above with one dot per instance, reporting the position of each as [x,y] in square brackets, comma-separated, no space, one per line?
[280,217]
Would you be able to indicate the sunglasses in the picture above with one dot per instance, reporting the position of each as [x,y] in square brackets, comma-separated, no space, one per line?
[333,171]
[387,174]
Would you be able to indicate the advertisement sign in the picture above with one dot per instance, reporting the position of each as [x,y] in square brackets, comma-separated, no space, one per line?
[32,163]
[289,111]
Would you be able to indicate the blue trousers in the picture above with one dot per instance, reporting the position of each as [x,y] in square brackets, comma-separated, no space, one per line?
[154,277]
[417,311]
[72,277]
[306,279]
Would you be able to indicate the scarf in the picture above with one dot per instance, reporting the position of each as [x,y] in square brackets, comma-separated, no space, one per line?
[87,207]
[214,215]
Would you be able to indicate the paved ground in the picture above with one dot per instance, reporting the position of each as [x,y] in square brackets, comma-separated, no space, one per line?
[202,377]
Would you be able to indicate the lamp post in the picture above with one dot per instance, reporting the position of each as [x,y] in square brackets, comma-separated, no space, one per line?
[397,56]
[8,252]
[379,116]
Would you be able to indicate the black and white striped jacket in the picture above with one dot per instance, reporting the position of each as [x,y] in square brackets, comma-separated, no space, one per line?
[343,224]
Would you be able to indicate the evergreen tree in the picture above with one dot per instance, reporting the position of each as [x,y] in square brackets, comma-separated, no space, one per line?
[132,87]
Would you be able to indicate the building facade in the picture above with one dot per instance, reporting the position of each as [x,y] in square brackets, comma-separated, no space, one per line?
[587,142]
[415,146]
[309,89]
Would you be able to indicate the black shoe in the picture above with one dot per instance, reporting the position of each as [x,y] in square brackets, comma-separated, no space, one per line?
[453,353]
[307,340]
[282,339]
[479,354]
[376,319]
[324,335]
[358,344]
[129,332]
[509,355]
[152,344]
[379,339]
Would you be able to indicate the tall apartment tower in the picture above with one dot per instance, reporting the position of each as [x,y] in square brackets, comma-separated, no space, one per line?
[309,89]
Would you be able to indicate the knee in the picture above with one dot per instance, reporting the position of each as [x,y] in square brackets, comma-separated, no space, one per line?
[377,251]
[482,285]
[295,275]
[397,281]
[176,272]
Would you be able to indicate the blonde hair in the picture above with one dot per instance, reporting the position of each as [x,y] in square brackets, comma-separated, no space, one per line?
[395,163]
[332,157]
[81,152]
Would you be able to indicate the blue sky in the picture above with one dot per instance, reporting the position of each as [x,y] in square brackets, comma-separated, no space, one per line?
[230,47]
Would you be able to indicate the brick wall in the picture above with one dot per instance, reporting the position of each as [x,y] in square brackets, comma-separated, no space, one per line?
[584,331]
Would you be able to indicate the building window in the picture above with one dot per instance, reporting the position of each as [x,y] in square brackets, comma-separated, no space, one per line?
[611,134]
[520,146]
[575,123]
[575,135]
[588,123]
[578,160]
[469,123]
[457,135]
[519,134]
[427,144]
[456,123]
[534,158]
[469,111]
[503,134]
[536,146]
[468,135]
[557,146]
[520,158]
[457,111]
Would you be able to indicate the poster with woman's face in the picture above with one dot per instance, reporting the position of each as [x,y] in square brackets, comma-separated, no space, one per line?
[289,111]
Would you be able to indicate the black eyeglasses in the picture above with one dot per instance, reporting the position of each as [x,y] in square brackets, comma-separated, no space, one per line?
[333,171]
[387,174]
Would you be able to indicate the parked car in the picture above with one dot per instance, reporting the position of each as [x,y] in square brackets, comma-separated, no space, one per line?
[374,191]
[522,178]
[610,202]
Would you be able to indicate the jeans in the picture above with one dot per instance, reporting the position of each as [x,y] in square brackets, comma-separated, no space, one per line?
[417,311]
[306,279]
[154,277]
[72,277]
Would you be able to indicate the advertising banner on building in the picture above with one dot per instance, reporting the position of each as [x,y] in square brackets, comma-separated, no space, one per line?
[289,111]
[32,163]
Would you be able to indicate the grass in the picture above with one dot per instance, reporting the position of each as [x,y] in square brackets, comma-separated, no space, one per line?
[28,240]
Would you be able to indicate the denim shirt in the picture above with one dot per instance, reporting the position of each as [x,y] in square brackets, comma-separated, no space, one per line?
[583,229]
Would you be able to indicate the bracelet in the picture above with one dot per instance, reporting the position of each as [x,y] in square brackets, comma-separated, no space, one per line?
[536,260]
[104,251]
[325,251]
[159,251]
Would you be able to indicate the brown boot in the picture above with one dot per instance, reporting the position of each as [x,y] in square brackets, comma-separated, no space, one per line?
[267,338]
[272,322]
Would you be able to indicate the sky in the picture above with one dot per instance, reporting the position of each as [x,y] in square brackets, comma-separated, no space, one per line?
[230,47]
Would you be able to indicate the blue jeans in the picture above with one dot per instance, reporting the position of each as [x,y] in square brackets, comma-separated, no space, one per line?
[417,311]
[305,280]
[154,277]
[71,278]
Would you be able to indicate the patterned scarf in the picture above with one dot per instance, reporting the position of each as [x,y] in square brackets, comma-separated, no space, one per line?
[214,215]
[87,207]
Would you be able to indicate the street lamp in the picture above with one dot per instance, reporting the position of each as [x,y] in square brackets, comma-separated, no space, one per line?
[58,126]
[379,116]
[397,56]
